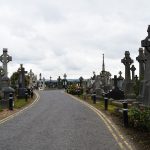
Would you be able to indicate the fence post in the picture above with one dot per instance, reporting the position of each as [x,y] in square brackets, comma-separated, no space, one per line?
[106,103]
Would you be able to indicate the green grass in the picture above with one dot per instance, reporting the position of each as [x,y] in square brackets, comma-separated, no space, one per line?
[19,103]
[100,104]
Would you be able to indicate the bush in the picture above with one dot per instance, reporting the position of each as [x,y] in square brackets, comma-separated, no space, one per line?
[75,90]
[140,118]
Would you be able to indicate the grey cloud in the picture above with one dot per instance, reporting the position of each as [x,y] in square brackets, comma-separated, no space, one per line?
[70,36]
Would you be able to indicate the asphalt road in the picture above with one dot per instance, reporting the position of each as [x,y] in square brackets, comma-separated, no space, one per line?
[56,122]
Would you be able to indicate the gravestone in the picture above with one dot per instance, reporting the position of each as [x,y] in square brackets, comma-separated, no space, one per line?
[115,93]
[128,84]
[43,84]
[144,95]
[133,73]
[40,81]
[5,82]
[65,81]
[120,81]
[59,83]
[31,75]
[21,82]
[5,58]
[141,59]
[35,83]
[50,82]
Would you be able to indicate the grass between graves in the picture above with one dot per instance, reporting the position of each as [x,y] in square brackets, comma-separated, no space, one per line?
[19,103]
[132,134]
[100,104]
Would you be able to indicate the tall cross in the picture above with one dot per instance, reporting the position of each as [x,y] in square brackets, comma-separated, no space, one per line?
[5,58]
[22,73]
[133,72]
[127,61]
[141,59]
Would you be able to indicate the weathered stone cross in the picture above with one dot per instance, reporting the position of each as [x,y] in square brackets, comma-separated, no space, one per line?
[141,59]
[22,73]
[5,58]
[133,72]
[127,61]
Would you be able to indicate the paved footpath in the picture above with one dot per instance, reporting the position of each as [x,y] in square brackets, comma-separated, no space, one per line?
[56,122]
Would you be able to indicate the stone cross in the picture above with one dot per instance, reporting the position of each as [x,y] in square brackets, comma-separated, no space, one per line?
[31,74]
[146,43]
[133,72]
[127,61]
[5,58]
[22,73]
[141,59]
[144,95]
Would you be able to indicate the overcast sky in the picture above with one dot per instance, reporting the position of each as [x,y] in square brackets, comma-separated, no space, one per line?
[54,37]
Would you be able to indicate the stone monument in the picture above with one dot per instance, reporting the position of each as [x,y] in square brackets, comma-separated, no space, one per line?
[31,75]
[21,82]
[115,93]
[120,80]
[128,84]
[141,59]
[65,81]
[5,82]
[133,73]
[144,95]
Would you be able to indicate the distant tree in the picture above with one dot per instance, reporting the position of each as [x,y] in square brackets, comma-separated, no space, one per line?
[14,79]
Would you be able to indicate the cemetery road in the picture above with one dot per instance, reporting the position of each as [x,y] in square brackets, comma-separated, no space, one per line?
[56,122]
